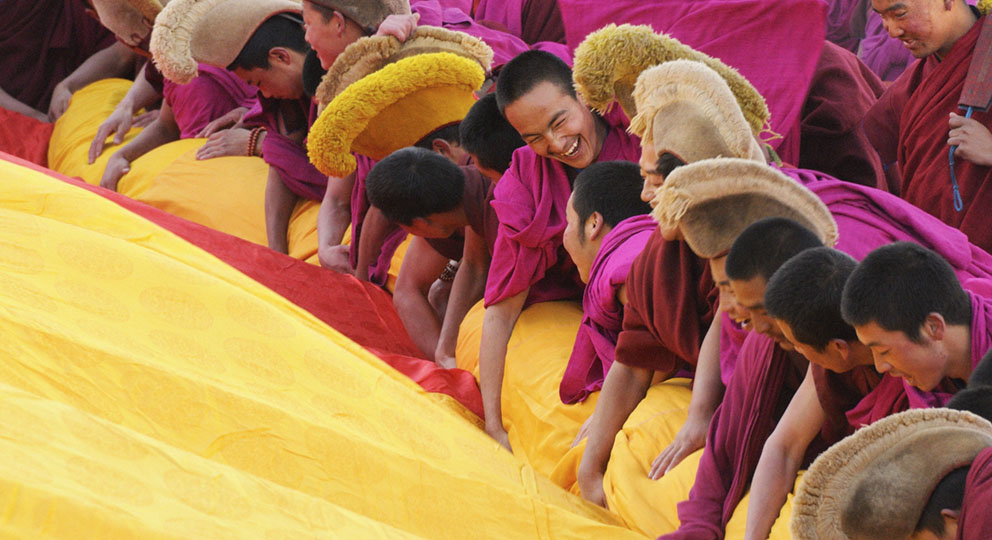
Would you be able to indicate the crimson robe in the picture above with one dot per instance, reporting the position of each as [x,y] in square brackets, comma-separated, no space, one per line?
[42,42]
[530,20]
[211,94]
[975,520]
[602,312]
[283,153]
[909,124]
[530,202]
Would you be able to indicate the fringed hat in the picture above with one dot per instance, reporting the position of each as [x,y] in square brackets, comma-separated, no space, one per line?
[685,108]
[368,14]
[396,100]
[209,31]
[609,60]
[876,482]
[712,201]
[129,20]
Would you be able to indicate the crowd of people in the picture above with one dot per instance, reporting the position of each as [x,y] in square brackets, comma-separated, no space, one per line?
[803,239]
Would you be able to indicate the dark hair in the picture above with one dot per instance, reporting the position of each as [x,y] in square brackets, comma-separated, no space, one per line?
[805,293]
[982,374]
[977,398]
[612,188]
[898,285]
[282,30]
[414,183]
[527,70]
[448,133]
[485,134]
[949,493]
[668,162]
[765,245]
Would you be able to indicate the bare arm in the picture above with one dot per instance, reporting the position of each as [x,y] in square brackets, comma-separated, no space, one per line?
[140,95]
[421,267]
[467,289]
[375,228]
[624,387]
[333,219]
[279,204]
[781,458]
[497,326]
[707,392]
[117,60]
[10,103]
[161,131]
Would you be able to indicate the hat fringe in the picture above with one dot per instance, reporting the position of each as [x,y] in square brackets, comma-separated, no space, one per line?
[171,37]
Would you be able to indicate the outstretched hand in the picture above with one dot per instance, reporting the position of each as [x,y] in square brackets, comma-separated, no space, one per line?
[974,141]
[117,166]
[499,434]
[400,27]
[591,486]
[61,95]
[691,437]
[119,123]
[229,142]
[231,119]
[335,258]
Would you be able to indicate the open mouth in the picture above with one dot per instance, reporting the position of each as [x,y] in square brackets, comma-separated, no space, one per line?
[572,150]
[910,43]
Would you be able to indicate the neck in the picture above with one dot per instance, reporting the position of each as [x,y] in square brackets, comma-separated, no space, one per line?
[962,19]
[461,218]
[958,345]
[602,128]
[860,355]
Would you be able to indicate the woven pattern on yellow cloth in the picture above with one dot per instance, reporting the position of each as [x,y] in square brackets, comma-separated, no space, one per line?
[273,420]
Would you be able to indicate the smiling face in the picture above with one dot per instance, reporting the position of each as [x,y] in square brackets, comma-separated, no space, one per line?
[922,25]
[652,180]
[283,79]
[556,125]
[751,302]
[922,363]
[328,38]
[832,356]
[728,302]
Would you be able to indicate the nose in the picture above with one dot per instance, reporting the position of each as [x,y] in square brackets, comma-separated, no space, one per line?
[761,325]
[881,366]
[650,187]
[556,144]
[892,28]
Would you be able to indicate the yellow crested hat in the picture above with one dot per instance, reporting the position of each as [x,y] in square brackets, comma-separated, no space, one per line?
[129,20]
[712,201]
[210,31]
[609,60]
[391,96]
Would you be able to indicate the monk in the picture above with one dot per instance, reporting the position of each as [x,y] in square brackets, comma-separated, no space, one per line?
[441,204]
[909,308]
[488,138]
[608,227]
[536,96]
[918,117]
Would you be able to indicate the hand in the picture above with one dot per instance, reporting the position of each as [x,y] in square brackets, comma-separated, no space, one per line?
[61,96]
[229,142]
[591,486]
[973,140]
[335,258]
[118,122]
[446,361]
[438,295]
[400,27]
[231,119]
[146,118]
[690,438]
[117,167]
[499,433]
[583,431]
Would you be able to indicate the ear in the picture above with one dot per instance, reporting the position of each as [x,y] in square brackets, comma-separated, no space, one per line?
[443,147]
[280,55]
[934,326]
[341,23]
[841,347]
[595,226]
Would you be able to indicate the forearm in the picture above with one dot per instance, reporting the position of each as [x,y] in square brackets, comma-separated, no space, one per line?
[155,135]
[117,60]
[623,389]
[10,103]
[141,95]
[773,480]
[707,387]
[375,228]
[497,326]
[466,291]
[421,267]
[279,203]
[334,215]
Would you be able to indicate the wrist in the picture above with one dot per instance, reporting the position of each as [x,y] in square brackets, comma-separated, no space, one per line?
[448,274]
[255,137]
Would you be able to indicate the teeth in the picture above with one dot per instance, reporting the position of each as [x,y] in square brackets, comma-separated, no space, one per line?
[571,151]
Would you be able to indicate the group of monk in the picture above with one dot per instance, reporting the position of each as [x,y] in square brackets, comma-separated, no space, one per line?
[812,278]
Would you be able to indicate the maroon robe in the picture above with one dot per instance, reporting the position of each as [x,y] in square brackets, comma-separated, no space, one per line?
[602,319]
[530,202]
[211,94]
[975,520]
[283,153]
[42,42]
[909,123]
[378,268]
[530,20]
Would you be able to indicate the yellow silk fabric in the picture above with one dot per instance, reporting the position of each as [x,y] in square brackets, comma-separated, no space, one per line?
[150,390]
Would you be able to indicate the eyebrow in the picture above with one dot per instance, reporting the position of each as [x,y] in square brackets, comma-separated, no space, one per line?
[759,305]
[894,7]
[871,344]
[554,119]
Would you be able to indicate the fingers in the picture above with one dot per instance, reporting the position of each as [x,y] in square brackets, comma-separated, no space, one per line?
[660,465]
[96,147]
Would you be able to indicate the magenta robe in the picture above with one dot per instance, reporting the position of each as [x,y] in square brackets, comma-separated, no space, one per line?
[602,312]
[379,268]
[839,29]
[210,95]
[732,338]
[909,123]
[281,152]
[975,520]
[42,42]
[530,20]
[773,44]
[505,45]
[530,202]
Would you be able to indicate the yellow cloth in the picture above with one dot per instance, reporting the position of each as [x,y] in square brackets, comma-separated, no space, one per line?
[541,428]
[780,530]
[302,235]
[69,147]
[273,420]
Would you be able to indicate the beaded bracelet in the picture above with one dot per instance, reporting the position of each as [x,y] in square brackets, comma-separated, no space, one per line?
[448,274]
[253,141]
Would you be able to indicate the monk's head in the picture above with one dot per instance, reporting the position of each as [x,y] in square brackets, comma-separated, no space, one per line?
[803,296]
[131,21]
[332,25]
[489,138]
[925,26]
[604,194]
[420,190]
[273,58]
[535,94]
[760,250]
[904,301]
